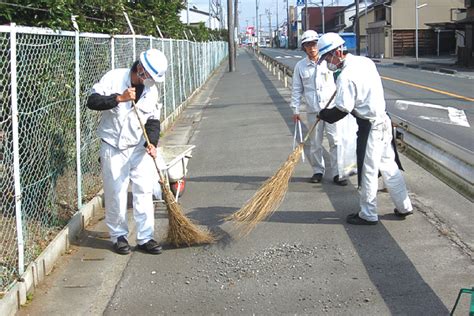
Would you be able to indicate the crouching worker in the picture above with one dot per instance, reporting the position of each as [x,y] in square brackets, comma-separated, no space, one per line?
[124,154]
[360,92]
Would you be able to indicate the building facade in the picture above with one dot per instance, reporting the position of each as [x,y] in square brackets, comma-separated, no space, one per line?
[391,27]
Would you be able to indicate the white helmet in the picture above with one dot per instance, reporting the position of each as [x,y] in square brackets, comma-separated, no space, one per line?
[155,63]
[329,42]
[309,36]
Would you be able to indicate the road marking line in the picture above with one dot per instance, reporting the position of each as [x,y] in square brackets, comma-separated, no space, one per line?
[403,105]
[456,116]
[428,88]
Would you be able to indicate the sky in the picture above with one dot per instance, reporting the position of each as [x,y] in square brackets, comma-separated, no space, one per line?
[247,9]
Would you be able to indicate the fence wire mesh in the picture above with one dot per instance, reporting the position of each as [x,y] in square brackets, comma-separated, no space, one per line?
[45,68]
[45,89]
[8,242]
[95,60]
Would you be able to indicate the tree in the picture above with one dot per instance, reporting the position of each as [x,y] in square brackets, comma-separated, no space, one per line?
[102,16]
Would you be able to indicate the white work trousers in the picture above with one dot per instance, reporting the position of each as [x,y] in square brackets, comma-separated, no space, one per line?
[315,156]
[119,168]
[379,156]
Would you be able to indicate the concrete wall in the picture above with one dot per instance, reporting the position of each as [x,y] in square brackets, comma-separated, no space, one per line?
[435,11]
[363,21]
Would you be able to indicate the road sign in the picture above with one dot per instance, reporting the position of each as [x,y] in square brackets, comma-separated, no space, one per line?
[300,2]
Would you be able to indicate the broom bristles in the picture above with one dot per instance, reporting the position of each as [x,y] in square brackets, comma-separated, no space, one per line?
[268,197]
[181,230]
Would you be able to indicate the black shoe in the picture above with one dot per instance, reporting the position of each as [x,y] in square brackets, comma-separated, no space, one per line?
[316,178]
[342,182]
[402,215]
[354,219]
[151,247]
[121,246]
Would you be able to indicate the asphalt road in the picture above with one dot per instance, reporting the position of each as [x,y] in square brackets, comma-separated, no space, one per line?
[440,103]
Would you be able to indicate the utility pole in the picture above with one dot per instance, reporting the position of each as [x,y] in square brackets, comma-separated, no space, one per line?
[367,26]
[256,23]
[322,16]
[277,33]
[187,12]
[357,27]
[210,27]
[287,24]
[221,14]
[236,25]
[269,15]
[230,29]
[306,15]
[416,30]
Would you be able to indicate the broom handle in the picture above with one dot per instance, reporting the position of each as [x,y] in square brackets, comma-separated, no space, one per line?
[317,121]
[147,140]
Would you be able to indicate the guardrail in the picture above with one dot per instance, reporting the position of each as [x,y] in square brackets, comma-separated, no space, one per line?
[444,159]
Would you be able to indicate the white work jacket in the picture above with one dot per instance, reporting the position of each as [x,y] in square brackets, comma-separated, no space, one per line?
[360,90]
[119,126]
[314,82]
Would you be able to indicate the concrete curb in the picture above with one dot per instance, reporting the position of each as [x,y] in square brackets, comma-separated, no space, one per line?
[43,265]
[430,68]
[427,67]
[447,71]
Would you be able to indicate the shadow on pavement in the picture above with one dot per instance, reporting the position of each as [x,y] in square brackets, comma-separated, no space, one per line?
[213,218]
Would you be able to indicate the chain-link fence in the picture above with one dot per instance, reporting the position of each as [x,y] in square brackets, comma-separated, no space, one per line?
[48,145]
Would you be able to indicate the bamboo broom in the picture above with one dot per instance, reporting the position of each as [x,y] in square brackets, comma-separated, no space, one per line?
[181,230]
[271,193]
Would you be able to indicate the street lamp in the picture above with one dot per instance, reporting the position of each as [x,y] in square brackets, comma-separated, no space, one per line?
[417,7]
[391,27]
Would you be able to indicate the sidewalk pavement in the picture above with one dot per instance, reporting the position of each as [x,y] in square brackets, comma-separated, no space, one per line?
[443,64]
[408,267]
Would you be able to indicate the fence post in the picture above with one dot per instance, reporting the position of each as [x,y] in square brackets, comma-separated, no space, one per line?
[172,74]
[78,115]
[201,63]
[183,69]
[16,151]
[188,57]
[195,62]
[180,75]
[206,58]
[133,35]
[112,52]
[165,97]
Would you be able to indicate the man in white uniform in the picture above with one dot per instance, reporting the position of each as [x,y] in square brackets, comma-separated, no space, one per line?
[316,83]
[124,155]
[360,92]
